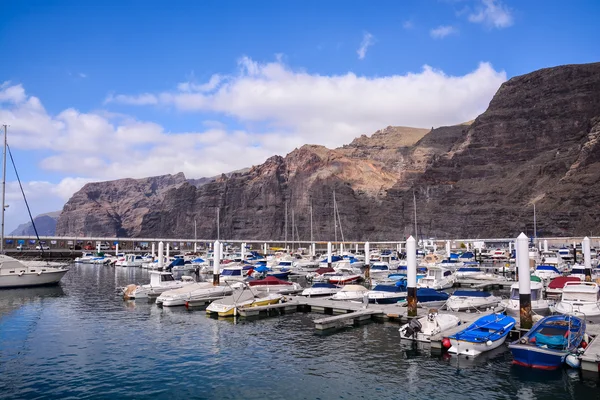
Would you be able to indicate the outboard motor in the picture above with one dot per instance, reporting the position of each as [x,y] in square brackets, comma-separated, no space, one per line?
[414,327]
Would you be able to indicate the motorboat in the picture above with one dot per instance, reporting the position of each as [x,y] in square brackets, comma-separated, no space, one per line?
[555,287]
[344,278]
[468,271]
[428,298]
[132,260]
[14,273]
[581,299]
[319,274]
[321,289]
[272,284]
[351,292]
[500,255]
[234,273]
[84,258]
[387,294]
[566,255]
[424,328]
[551,258]
[466,256]
[160,281]
[539,305]
[462,300]
[194,291]
[578,271]
[437,278]
[245,298]
[485,334]
[549,342]
[379,268]
[546,273]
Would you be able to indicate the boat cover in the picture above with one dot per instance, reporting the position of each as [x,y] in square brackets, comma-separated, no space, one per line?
[469,269]
[471,293]
[389,288]
[560,281]
[269,280]
[325,285]
[425,295]
[324,270]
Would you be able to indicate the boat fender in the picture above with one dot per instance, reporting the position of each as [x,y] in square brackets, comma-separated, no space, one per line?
[583,344]
[488,343]
[446,343]
[572,361]
[40,273]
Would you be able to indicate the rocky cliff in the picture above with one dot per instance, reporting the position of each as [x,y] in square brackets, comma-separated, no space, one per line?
[538,142]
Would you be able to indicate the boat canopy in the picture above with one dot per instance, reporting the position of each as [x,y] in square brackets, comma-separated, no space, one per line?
[321,271]
[467,254]
[426,294]
[262,268]
[333,259]
[471,293]
[231,272]
[559,282]
[469,269]
[389,288]
[534,278]
[269,280]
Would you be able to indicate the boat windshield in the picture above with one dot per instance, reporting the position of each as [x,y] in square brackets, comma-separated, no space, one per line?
[231,272]
[165,278]
[535,294]
[578,296]
[514,294]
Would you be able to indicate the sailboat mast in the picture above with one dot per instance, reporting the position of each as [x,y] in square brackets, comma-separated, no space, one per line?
[3,190]
[218,223]
[334,217]
[415,206]
[285,228]
[311,223]
[534,225]
[293,225]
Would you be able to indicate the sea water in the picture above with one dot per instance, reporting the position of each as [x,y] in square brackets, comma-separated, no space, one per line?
[80,340]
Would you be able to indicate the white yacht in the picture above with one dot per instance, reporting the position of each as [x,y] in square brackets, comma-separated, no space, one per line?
[546,273]
[463,300]
[351,292]
[581,299]
[194,291]
[13,273]
[551,258]
[566,254]
[132,260]
[321,289]
[437,278]
[84,258]
[160,281]
[539,305]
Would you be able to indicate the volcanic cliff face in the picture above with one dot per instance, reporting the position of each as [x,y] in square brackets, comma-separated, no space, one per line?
[537,142]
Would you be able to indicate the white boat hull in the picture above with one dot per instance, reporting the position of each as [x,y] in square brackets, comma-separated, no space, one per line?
[471,303]
[37,278]
[461,347]
[431,325]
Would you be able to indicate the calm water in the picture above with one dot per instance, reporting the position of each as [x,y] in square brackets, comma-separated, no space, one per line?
[80,340]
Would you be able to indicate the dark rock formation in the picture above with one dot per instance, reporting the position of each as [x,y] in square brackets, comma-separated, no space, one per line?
[538,141]
[44,223]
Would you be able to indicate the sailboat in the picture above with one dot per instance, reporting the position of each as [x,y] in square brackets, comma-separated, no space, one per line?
[14,273]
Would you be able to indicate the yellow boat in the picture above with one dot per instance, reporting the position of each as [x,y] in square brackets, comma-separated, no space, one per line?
[246,298]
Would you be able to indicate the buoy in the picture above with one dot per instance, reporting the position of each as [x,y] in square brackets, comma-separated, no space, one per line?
[583,344]
[572,361]
[446,343]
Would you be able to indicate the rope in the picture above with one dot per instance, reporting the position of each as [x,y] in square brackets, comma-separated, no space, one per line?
[25,198]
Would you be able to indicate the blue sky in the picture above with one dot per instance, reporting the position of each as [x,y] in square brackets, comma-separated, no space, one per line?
[113,89]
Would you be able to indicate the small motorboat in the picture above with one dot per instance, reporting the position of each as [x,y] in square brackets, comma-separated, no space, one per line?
[274,285]
[194,291]
[581,299]
[555,287]
[539,305]
[344,278]
[387,294]
[245,298]
[320,274]
[437,278]
[160,281]
[546,273]
[430,298]
[85,258]
[468,271]
[321,289]
[486,333]
[462,300]
[351,292]
[424,328]
[549,342]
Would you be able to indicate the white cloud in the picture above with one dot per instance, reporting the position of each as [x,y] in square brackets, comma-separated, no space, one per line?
[442,31]
[209,86]
[368,40]
[493,14]
[275,108]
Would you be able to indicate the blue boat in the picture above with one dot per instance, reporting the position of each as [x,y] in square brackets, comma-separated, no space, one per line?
[283,273]
[548,342]
[485,334]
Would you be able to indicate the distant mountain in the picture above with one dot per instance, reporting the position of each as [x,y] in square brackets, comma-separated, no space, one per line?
[45,224]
